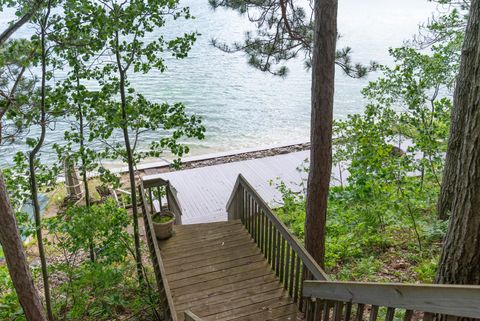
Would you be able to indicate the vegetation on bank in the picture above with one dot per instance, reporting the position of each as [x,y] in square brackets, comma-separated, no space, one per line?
[376,239]
[104,289]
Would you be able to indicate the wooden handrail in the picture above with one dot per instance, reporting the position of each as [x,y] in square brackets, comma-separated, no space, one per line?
[453,300]
[166,299]
[190,316]
[283,251]
[306,258]
[150,183]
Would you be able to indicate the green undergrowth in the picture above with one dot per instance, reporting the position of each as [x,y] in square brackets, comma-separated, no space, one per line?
[381,237]
[82,290]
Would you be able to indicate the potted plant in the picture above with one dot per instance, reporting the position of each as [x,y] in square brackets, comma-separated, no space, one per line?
[163,224]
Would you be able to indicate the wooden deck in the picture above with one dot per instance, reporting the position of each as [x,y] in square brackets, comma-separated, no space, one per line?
[218,272]
[203,192]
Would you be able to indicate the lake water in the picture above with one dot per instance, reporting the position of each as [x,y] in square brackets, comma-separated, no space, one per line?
[243,107]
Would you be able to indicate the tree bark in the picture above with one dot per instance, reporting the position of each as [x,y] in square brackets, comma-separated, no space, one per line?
[32,168]
[7,33]
[323,78]
[460,258]
[459,111]
[130,161]
[16,261]
[83,157]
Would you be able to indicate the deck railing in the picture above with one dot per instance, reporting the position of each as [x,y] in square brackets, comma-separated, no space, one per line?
[359,301]
[286,255]
[155,190]
[165,295]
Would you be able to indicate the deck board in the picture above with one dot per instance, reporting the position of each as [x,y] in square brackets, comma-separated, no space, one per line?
[222,275]
[203,192]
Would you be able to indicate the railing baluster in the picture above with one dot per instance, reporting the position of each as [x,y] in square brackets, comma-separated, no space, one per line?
[274,250]
[337,312]
[297,280]
[254,223]
[291,284]
[373,313]
[254,219]
[427,316]
[150,195]
[257,218]
[287,267]
[245,209]
[348,311]
[277,263]
[268,236]
[408,315]
[282,260]
[303,277]
[390,314]
[360,311]
[159,198]
[265,234]
[309,309]
[240,203]
[326,311]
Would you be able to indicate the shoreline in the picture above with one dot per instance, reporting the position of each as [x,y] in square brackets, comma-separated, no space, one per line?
[220,158]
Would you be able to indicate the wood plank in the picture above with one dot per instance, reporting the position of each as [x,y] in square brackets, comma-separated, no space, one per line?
[455,300]
[205,245]
[216,275]
[213,285]
[286,312]
[205,257]
[292,317]
[245,311]
[217,258]
[249,260]
[227,297]
[224,299]
[188,234]
[178,240]
[235,304]
[207,250]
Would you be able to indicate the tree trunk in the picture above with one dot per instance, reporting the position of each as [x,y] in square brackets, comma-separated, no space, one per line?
[131,169]
[16,261]
[323,77]
[460,258]
[32,160]
[83,157]
[11,29]
[460,102]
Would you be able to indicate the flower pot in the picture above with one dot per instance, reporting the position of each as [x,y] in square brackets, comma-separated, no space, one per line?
[163,224]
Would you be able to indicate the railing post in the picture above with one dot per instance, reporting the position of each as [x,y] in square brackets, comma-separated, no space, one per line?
[236,208]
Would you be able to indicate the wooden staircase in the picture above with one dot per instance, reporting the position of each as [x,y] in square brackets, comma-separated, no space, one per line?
[217,271]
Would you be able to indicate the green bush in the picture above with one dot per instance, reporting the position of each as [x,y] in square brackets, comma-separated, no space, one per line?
[10,308]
